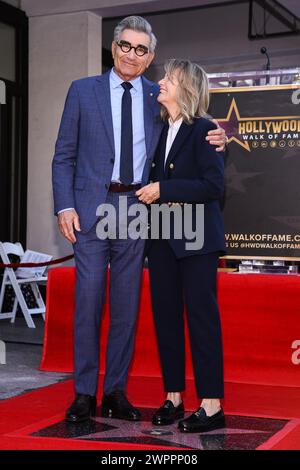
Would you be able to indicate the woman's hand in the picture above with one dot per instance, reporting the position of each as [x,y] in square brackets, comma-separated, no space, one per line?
[217,137]
[149,193]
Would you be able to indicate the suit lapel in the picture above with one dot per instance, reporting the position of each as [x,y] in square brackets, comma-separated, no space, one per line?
[150,96]
[152,128]
[162,151]
[182,135]
[102,91]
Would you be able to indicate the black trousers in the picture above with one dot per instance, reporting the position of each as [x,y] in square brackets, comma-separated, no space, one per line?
[187,283]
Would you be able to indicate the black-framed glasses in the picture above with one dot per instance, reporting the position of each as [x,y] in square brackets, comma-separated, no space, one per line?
[126,47]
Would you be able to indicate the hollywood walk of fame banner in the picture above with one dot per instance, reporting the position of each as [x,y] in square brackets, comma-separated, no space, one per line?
[262,198]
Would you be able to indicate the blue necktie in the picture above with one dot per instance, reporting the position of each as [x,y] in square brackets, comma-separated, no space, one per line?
[126,159]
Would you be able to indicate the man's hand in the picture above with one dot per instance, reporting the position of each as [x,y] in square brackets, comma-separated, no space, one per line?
[217,137]
[67,222]
[149,193]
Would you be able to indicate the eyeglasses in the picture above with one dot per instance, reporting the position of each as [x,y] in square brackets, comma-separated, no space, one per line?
[139,50]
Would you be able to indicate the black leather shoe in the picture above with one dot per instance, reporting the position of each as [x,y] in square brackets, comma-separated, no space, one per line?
[168,413]
[200,422]
[82,408]
[116,405]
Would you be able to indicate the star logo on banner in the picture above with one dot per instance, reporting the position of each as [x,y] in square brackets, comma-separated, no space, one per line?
[231,126]
[235,179]
[290,221]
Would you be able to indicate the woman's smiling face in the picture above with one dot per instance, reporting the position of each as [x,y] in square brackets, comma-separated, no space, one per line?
[169,86]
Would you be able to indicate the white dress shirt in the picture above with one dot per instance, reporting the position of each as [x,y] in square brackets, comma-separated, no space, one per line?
[172,132]
[138,128]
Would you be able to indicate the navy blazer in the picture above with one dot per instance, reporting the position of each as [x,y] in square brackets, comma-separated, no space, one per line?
[84,153]
[193,173]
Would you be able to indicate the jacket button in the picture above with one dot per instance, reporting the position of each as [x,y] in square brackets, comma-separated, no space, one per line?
[112,160]
[153,165]
[106,186]
[171,166]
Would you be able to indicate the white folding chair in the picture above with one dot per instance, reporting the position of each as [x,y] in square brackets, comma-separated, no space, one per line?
[10,279]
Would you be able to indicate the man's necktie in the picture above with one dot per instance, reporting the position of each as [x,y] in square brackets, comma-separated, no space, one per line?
[126,160]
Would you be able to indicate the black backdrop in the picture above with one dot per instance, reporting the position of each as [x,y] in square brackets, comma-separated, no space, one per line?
[262,200]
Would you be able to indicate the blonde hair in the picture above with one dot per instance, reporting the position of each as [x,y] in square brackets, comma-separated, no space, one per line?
[193,90]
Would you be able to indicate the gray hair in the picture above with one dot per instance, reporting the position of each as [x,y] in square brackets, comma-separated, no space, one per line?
[136,23]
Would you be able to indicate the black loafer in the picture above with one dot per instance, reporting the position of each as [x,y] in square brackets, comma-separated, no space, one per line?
[168,413]
[82,408]
[200,422]
[116,405]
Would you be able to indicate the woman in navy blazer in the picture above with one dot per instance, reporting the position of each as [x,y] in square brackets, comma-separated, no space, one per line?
[188,176]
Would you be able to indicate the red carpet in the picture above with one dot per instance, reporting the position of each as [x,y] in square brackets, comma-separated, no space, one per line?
[260,321]
[260,318]
[23,415]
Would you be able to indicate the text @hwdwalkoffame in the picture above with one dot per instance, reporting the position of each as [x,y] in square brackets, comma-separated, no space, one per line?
[262,241]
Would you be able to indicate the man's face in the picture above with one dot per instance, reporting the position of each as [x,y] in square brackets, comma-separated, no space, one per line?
[129,65]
